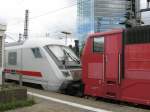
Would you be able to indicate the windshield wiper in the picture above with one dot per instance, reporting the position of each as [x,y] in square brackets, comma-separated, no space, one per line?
[73,58]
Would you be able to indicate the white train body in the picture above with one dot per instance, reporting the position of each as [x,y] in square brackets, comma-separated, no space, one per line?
[42,61]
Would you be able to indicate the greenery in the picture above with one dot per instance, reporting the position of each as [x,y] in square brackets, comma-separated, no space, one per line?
[16,104]
[8,87]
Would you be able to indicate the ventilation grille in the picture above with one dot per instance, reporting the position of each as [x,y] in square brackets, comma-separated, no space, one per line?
[137,35]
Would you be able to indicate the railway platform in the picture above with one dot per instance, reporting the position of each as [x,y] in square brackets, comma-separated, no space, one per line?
[54,102]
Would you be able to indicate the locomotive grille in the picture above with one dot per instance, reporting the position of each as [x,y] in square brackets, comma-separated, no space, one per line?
[137,35]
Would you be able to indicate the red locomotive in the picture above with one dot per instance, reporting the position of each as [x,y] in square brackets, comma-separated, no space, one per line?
[116,65]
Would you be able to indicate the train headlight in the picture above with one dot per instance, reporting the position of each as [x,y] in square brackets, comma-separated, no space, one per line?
[66,73]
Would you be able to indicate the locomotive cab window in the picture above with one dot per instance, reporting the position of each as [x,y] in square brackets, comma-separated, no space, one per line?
[98,44]
[36,52]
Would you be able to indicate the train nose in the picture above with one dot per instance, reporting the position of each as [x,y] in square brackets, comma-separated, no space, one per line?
[74,75]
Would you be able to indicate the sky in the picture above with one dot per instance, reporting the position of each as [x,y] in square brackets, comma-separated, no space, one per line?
[45,18]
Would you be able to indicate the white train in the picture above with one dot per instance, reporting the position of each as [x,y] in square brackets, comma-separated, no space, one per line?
[43,61]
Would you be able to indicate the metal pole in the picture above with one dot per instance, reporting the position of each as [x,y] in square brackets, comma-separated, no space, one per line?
[138,13]
[20,80]
[140,18]
[20,75]
[3,78]
[148,1]
[26,24]
[66,33]
[66,40]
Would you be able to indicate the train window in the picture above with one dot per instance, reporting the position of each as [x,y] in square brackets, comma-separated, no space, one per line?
[12,58]
[36,52]
[57,51]
[98,44]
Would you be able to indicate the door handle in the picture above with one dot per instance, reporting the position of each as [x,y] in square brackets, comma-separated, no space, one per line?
[103,75]
[106,59]
[119,70]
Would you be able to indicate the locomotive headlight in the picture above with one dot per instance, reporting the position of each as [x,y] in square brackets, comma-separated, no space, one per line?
[66,73]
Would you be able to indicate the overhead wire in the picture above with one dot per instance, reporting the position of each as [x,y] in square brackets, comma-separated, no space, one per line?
[54,11]
[10,37]
[60,27]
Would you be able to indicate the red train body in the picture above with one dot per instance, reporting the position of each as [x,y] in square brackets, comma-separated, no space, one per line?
[116,65]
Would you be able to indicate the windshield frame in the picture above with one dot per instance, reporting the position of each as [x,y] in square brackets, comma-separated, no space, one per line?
[58,61]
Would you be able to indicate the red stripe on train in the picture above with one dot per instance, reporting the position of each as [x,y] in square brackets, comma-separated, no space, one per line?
[23,72]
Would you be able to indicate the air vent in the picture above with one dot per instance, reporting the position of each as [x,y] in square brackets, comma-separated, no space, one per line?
[137,35]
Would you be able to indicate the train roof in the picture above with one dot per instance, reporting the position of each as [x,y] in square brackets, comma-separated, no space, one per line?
[106,33]
[145,29]
[35,42]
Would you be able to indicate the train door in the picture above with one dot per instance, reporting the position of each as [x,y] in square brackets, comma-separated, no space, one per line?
[13,59]
[12,63]
[112,62]
[92,66]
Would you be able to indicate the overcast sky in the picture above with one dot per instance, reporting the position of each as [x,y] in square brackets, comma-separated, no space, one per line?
[12,12]
[44,21]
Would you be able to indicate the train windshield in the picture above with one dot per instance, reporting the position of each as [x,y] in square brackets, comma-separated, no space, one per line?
[64,53]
